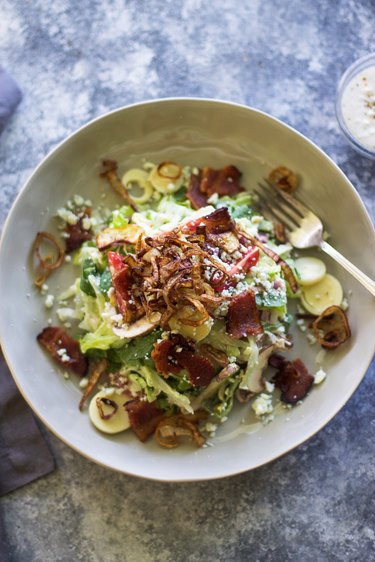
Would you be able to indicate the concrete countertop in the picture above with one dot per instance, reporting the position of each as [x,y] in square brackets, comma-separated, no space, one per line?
[76,60]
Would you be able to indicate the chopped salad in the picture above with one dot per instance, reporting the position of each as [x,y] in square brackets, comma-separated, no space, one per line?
[181,302]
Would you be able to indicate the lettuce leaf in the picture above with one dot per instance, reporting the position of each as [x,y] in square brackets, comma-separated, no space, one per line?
[136,351]
[120,217]
[103,280]
[239,206]
[158,383]
[95,314]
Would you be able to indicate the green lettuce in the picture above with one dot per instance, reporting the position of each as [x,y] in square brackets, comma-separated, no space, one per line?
[137,351]
[102,277]
[94,314]
[120,217]
[158,383]
[239,206]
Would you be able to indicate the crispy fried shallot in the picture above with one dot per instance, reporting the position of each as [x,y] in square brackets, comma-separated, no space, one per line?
[169,170]
[294,381]
[331,328]
[167,274]
[44,242]
[170,431]
[109,172]
[63,349]
[107,402]
[284,179]
[280,234]
[97,372]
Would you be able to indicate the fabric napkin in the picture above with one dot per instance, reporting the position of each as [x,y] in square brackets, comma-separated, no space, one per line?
[24,455]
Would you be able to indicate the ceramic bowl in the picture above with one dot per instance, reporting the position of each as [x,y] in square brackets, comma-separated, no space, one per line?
[196,132]
[352,72]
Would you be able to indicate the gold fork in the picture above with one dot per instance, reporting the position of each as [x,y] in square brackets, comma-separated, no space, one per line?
[304,228]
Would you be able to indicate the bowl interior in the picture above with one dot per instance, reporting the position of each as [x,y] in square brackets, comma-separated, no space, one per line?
[194,132]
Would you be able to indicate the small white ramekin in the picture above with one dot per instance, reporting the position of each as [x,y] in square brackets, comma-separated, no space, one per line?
[349,74]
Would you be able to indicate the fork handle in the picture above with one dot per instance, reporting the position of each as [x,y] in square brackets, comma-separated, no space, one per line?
[368,283]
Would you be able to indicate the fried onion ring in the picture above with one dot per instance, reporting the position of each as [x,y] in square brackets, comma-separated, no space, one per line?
[107,402]
[49,262]
[171,430]
[284,179]
[331,328]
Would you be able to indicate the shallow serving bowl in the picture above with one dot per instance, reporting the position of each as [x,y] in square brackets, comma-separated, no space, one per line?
[197,132]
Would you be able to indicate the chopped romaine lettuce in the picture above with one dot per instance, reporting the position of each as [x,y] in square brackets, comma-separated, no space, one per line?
[158,383]
[137,351]
[221,403]
[88,268]
[120,217]
[180,196]
[251,365]
[103,280]
[231,346]
[95,314]
[239,206]
[88,250]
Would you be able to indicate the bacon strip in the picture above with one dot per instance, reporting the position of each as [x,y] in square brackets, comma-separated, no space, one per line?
[294,381]
[200,369]
[54,340]
[177,353]
[223,182]
[77,235]
[243,316]
[143,417]
[163,356]
[197,198]
[120,273]
[218,222]
[209,181]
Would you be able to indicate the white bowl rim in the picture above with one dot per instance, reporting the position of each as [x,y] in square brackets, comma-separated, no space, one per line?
[210,101]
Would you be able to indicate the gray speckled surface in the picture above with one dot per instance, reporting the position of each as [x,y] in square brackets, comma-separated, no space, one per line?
[76,60]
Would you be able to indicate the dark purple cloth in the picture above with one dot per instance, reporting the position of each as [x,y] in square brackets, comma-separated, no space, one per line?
[24,455]
[10,97]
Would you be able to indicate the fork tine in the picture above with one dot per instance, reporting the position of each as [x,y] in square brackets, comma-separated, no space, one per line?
[271,213]
[277,203]
[293,201]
